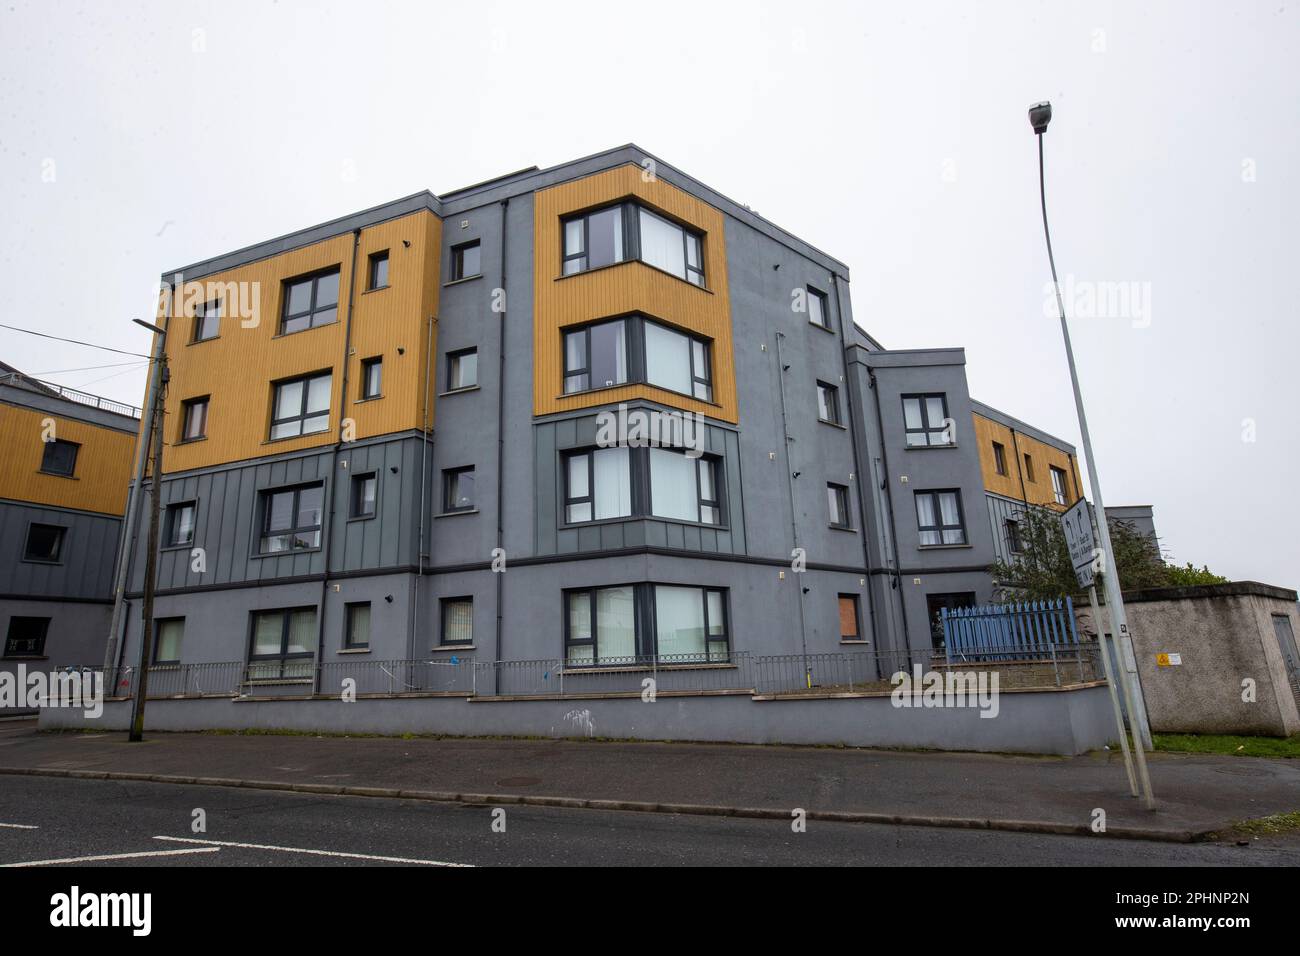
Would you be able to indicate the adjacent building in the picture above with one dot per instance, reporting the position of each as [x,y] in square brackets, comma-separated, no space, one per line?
[63,486]
[387,438]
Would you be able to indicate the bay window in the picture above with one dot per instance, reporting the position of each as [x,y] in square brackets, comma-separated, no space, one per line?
[640,623]
[636,349]
[607,483]
[598,485]
[630,231]
[683,488]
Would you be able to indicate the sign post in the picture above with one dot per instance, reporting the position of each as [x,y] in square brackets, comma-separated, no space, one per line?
[1086,557]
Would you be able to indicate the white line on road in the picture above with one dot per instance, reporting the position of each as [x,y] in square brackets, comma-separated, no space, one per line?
[113,856]
[17,826]
[297,849]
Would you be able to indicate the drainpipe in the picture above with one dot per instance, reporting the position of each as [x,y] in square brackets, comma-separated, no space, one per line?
[497,648]
[857,458]
[328,530]
[893,524]
[424,470]
[789,483]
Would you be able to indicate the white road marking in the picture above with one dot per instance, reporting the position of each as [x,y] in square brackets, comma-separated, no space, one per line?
[297,849]
[17,826]
[112,856]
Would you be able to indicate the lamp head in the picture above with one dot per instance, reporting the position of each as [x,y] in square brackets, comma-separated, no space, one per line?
[1040,114]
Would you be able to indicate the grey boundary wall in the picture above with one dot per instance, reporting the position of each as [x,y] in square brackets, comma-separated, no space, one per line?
[1224,634]
[1057,721]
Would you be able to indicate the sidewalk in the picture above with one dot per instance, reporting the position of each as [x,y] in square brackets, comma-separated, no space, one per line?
[1196,795]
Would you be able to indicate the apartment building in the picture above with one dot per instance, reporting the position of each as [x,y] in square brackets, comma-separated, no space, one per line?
[63,486]
[387,439]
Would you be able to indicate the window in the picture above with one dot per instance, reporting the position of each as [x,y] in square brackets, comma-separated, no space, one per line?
[817,312]
[377,277]
[364,490]
[44,543]
[194,419]
[465,261]
[356,626]
[828,403]
[207,321]
[1029,467]
[180,524]
[310,301]
[999,458]
[1015,544]
[849,630]
[372,372]
[26,636]
[627,231]
[59,457]
[633,623]
[597,485]
[595,357]
[938,518]
[458,489]
[837,499]
[666,245]
[301,406]
[925,420]
[678,362]
[167,636]
[1058,485]
[291,519]
[462,369]
[593,240]
[458,620]
[683,488]
[282,644]
[635,349]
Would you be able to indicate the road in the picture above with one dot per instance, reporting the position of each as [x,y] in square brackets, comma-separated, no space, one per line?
[107,823]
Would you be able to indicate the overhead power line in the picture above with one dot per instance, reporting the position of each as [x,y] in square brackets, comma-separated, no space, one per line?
[59,338]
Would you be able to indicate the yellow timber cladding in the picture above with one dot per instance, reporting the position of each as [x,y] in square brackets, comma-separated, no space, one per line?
[100,477]
[1030,483]
[235,370]
[625,288]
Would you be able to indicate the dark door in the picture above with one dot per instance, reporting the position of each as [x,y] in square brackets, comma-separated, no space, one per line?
[936,602]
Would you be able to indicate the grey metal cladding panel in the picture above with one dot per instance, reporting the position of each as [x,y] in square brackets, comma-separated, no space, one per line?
[548,481]
[88,549]
[735,495]
[611,536]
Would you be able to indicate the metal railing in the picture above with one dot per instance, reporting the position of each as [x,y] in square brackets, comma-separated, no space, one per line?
[1017,665]
[557,677]
[987,631]
[19,380]
[836,672]
[395,678]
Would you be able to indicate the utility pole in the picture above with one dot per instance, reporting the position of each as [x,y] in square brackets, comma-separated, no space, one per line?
[155,439]
[1040,114]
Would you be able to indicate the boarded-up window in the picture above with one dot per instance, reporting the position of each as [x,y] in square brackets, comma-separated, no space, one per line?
[849,618]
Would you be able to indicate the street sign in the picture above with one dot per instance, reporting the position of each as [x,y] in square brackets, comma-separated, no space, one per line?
[1077,525]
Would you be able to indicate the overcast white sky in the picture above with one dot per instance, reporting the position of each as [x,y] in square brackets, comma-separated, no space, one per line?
[139,137]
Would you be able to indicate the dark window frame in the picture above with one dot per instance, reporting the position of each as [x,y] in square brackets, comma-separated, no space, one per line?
[373,263]
[443,605]
[644,623]
[349,609]
[367,366]
[284,657]
[10,637]
[310,312]
[1061,490]
[266,496]
[453,360]
[158,622]
[458,251]
[173,510]
[844,500]
[832,401]
[630,228]
[62,541]
[302,415]
[641,486]
[1015,542]
[823,300]
[356,496]
[927,428]
[941,528]
[187,407]
[201,314]
[1000,458]
[449,479]
[634,347]
[1029,468]
[47,466]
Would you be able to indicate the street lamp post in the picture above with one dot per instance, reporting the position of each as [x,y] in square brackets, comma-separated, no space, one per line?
[1040,114]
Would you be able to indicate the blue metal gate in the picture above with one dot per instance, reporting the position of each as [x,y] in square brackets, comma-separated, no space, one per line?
[1019,631]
